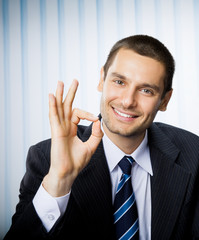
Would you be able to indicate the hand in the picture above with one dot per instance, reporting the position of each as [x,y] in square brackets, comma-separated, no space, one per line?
[69,155]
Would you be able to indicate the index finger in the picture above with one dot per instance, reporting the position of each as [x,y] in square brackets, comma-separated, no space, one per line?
[68,101]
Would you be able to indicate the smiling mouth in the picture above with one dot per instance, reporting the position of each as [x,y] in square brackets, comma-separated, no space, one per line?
[124,114]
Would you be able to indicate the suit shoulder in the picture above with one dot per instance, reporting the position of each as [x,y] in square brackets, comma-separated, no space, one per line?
[43,148]
[175,130]
[178,135]
[37,162]
[45,145]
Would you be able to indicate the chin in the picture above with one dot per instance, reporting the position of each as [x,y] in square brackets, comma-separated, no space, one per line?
[125,132]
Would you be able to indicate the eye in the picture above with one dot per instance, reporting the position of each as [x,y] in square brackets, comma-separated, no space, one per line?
[147,91]
[119,82]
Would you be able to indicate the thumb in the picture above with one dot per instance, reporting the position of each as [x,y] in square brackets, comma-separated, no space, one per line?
[95,137]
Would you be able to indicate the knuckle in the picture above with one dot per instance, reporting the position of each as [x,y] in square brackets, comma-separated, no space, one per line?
[76,111]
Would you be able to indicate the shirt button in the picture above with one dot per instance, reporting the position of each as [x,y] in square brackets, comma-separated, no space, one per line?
[51,217]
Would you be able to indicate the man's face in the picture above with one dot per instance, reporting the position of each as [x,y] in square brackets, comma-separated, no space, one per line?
[132,93]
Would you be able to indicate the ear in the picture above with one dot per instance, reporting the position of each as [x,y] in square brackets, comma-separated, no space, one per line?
[165,101]
[101,82]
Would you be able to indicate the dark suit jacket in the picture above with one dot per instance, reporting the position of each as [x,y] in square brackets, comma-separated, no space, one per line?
[174,191]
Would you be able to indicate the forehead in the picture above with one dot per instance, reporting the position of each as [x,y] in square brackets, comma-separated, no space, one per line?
[135,66]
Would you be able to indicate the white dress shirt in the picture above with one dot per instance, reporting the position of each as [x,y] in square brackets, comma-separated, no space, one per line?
[49,209]
[140,176]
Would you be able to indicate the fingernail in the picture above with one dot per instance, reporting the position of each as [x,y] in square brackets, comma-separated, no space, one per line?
[95,117]
[75,81]
[60,83]
[51,97]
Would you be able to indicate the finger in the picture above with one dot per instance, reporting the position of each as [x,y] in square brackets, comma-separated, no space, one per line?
[53,113]
[59,98]
[95,137]
[78,115]
[69,99]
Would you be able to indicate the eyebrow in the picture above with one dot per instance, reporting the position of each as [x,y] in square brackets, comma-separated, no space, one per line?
[152,86]
[115,74]
[122,77]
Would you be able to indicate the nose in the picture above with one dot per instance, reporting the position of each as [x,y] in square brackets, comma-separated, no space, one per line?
[129,99]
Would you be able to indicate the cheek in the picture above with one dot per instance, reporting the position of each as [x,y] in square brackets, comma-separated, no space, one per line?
[104,102]
[109,95]
[150,106]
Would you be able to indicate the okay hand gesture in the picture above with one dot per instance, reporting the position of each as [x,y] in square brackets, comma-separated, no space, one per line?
[69,155]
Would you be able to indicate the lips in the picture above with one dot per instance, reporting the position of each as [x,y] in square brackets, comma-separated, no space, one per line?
[125,115]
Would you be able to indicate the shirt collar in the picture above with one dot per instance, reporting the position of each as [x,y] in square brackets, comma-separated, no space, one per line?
[141,155]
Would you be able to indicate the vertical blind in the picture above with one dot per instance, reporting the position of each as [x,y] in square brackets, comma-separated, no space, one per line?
[43,41]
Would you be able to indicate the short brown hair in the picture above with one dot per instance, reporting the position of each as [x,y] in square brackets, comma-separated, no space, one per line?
[146,46]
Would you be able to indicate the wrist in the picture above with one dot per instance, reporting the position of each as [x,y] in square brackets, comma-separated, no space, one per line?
[57,186]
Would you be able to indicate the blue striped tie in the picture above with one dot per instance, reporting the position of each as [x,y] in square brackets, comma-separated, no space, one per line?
[125,209]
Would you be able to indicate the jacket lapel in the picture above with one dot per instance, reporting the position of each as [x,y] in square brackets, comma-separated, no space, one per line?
[168,184]
[92,189]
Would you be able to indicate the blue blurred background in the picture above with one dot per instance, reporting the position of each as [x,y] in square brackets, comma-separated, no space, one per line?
[43,41]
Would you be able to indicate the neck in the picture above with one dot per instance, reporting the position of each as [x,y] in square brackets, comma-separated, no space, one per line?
[128,144]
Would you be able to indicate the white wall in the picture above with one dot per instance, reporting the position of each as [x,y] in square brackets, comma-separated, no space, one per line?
[43,41]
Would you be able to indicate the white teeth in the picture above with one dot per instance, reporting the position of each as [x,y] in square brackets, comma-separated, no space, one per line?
[123,114]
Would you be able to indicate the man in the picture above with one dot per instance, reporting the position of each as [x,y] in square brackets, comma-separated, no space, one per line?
[73,181]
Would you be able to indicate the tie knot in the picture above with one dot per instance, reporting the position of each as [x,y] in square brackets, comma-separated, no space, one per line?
[126,164]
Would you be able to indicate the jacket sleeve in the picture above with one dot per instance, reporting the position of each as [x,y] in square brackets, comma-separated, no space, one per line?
[25,221]
[196,220]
